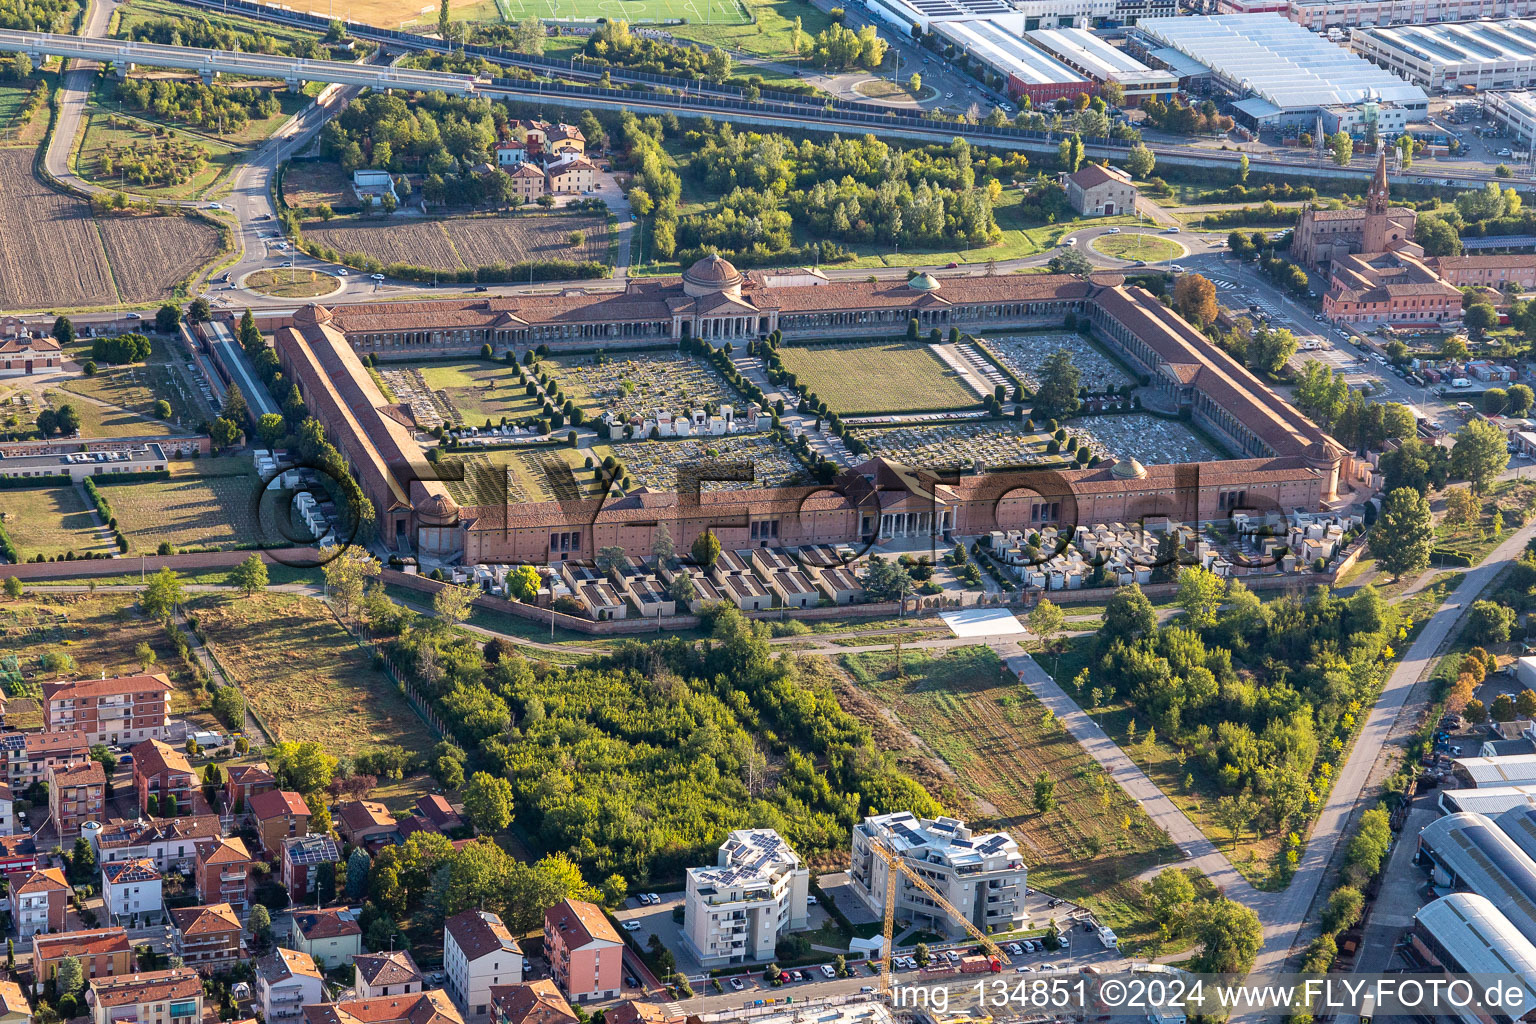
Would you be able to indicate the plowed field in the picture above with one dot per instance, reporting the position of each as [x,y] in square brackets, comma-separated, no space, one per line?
[462,242]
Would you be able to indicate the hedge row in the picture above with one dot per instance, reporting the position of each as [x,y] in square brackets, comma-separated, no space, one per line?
[105,510]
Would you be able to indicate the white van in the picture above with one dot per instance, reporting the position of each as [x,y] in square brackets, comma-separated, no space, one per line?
[1461,382]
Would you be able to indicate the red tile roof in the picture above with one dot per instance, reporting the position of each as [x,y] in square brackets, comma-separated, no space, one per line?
[147,987]
[87,943]
[277,803]
[206,920]
[325,923]
[26,883]
[81,773]
[532,1002]
[480,932]
[432,1007]
[579,923]
[390,968]
[111,686]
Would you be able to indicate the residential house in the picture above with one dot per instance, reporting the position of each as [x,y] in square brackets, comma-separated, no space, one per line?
[102,952]
[40,900]
[534,134]
[76,795]
[28,755]
[528,182]
[331,934]
[279,815]
[222,870]
[531,1002]
[362,822]
[432,1007]
[14,1008]
[1098,190]
[132,890]
[478,952]
[301,859]
[385,974]
[586,956]
[243,781]
[118,709]
[287,980]
[562,140]
[207,938]
[17,853]
[170,842]
[511,154]
[162,772]
[571,175]
[636,1012]
[148,997]
[436,809]
[7,811]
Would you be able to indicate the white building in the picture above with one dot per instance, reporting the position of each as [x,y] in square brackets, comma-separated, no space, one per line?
[7,811]
[388,973]
[1476,55]
[132,892]
[735,911]
[478,952]
[286,981]
[1516,111]
[982,876]
[371,187]
[1320,15]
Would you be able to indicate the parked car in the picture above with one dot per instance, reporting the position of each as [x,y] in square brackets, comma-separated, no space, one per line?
[377,277]
[827,971]
[631,926]
[1029,945]
[653,898]
[737,985]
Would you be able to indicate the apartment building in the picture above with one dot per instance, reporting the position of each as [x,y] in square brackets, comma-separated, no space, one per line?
[392,973]
[279,815]
[736,910]
[287,980]
[163,774]
[39,900]
[102,953]
[119,709]
[149,997]
[331,935]
[76,795]
[243,781]
[533,1002]
[207,938]
[28,755]
[478,952]
[222,870]
[171,843]
[981,875]
[586,955]
[421,1008]
[133,892]
[300,862]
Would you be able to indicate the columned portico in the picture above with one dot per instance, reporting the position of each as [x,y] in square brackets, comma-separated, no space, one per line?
[916,524]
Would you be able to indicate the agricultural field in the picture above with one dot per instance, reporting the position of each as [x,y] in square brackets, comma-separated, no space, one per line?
[638,384]
[145,257]
[309,183]
[877,377]
[465,242]
[464,393]
[1026,353]
[510,475]
[51,521]
[137,387]
[655,464]
[978,739]
[151,255]
[304,676]
[24,111]
[204,503]
[984,444]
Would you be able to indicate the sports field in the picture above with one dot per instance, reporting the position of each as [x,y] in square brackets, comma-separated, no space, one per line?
[877,376]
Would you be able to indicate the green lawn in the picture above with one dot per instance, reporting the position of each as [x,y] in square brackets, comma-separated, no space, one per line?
[50,521]
[1138,246]
[292,283]
[879,376]
[204,503]
[100,137]
[136,388]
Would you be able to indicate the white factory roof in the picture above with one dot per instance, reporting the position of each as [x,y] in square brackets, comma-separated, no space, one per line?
[941,10]
[1513,770]
[1279,61]
[1484,859]
[1007,53]
[750,857]
[1480,939]
[1082,49]
[1460,43]
[1180,64]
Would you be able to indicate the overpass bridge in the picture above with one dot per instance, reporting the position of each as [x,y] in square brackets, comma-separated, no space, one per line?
[124,54]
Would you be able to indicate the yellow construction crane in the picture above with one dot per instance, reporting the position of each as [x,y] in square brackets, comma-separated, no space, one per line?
[896,866]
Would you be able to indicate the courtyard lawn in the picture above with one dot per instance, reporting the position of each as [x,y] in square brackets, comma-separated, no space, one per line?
[305,676]
[204,503]
[99,420]
[512,475]
[1136,245]
[877,377]
[51,521]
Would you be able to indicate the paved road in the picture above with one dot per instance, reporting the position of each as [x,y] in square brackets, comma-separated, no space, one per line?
[73,90]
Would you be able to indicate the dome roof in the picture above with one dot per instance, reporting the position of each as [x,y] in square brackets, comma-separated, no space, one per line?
[1128,469]
[437,509]
[924,282]
[313,313]
[713,271]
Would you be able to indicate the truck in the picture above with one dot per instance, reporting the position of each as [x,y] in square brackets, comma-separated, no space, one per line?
[980,964]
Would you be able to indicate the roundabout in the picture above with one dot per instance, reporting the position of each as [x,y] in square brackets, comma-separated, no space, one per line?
[884,90]
[292,283]
[1137,246]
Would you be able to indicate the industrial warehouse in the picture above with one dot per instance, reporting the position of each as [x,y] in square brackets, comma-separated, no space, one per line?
[1469,56]
[1278,73]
